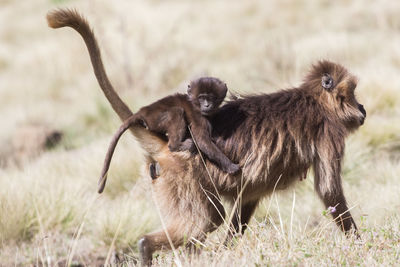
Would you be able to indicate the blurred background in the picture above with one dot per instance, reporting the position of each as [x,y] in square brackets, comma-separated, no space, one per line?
[56,124]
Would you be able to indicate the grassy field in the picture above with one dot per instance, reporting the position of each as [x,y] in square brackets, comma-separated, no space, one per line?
[50,212]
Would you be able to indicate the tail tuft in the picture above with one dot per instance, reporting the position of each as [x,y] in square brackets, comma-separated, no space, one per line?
[59,18]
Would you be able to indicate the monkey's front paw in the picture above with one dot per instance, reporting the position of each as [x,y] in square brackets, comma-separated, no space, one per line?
[233,169]
[188,145]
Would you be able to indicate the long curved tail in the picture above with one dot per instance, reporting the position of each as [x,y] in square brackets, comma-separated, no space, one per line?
[125,126]
[149,141]
[71,18]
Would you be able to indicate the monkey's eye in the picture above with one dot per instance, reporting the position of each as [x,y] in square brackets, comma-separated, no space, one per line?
[327,81]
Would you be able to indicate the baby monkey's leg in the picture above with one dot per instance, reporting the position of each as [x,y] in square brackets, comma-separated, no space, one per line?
[176,128]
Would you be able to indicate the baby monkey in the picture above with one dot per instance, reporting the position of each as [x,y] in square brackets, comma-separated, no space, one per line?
[170,117]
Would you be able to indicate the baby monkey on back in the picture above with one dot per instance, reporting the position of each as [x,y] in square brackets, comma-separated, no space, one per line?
[171,115]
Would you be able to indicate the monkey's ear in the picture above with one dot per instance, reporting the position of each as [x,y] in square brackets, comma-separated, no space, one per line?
[189,90]
[327,82]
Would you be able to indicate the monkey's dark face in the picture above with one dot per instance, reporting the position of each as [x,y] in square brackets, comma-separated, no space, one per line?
[336,88]
[208,104]
[207,94]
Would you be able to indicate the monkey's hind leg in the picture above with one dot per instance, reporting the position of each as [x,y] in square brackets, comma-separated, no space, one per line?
[174,236]
[176,127]
[188,214]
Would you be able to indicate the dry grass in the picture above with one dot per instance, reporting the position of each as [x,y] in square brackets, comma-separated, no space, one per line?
[49,210]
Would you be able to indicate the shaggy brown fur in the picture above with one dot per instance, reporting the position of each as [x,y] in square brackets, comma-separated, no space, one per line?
[171,115]
[275,137]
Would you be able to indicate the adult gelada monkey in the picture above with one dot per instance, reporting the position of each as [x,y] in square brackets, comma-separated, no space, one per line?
[275,137]
[171,115]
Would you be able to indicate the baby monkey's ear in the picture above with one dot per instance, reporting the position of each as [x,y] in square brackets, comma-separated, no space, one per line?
[190,91]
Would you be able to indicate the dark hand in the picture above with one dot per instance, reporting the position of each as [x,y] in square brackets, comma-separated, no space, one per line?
[233,168]
[188,145]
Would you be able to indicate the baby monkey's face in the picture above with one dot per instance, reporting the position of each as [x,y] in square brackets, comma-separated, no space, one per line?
[208,103]
[207,94]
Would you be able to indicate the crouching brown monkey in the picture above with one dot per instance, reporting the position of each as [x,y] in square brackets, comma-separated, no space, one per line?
[274,137]
[171,115]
